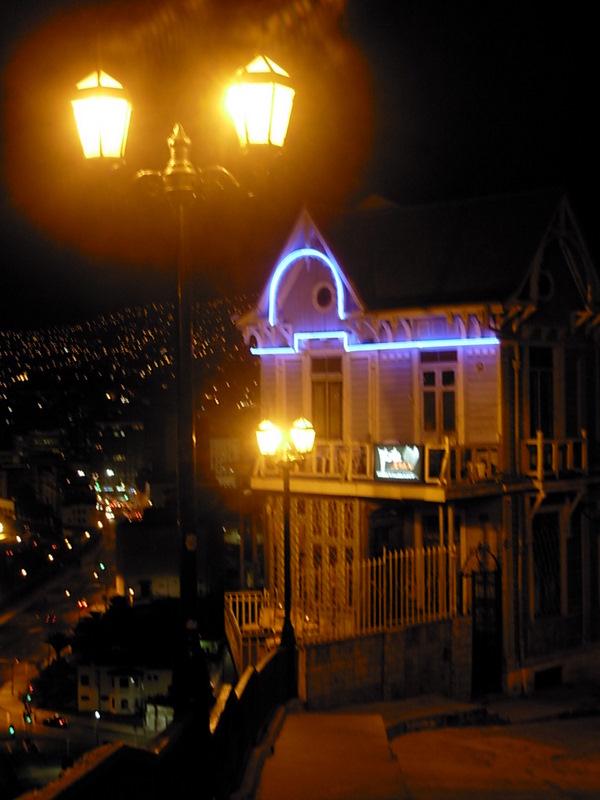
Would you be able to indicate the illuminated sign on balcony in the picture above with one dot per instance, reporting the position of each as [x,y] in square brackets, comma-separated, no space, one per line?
[398,462]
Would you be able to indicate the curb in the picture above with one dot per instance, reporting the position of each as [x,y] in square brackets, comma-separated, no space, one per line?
[250,782]
[453,719]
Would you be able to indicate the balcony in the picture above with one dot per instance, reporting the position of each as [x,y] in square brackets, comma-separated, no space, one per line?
[546,459]
[458,468]
[442,463]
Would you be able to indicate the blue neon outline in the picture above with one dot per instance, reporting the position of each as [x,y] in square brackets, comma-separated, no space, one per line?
[299,337]
[419,344]
[305,252]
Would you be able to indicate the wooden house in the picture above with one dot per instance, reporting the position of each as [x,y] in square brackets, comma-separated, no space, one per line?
[448,357]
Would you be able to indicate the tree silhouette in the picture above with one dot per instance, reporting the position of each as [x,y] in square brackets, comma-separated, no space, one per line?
[58,641]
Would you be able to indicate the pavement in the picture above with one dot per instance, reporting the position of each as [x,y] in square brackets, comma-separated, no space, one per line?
[345,754]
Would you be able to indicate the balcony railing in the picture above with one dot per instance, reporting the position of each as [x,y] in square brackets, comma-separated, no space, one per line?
[448,464]
[554,458]
[443,463]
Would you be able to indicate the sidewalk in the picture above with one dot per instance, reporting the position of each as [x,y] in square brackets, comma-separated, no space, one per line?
[345,754]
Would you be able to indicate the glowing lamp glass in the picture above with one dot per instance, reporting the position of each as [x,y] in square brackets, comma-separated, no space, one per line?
[302,434]
[260,103]
[268,437]
[102,113]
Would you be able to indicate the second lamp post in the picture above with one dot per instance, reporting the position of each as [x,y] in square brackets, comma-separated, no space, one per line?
[286,450]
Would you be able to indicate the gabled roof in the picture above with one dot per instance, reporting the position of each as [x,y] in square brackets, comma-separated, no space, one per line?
[305,237]
[521,253]
[465,251]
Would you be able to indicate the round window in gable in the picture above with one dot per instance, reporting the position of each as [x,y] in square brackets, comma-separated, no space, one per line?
[545,285]
[323,296]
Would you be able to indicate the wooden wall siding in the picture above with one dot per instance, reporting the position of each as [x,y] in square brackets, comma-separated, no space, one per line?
[293,390]
[268,391]
[296,299]
[395,398]
[480,392]
[358,388]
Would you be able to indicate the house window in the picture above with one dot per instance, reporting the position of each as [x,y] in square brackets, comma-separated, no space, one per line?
[438,386]
[327,397]
[123,683]
[124,704]
[323,296]
[541,379]
[84,680]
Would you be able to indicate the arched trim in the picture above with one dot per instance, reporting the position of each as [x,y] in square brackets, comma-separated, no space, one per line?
[305,252]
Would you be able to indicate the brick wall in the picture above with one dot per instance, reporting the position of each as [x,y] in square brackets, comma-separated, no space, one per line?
[427,659]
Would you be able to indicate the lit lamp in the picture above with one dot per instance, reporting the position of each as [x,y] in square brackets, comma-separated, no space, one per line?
[102,113]
[288,450]
[260,102]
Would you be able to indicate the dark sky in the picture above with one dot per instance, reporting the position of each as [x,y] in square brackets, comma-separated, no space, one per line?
[416,100]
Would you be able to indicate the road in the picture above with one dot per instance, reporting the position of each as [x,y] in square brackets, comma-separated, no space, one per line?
[38,751]
[26,624]
[551,759]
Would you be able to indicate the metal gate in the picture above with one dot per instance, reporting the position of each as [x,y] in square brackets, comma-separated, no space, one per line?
[486,611]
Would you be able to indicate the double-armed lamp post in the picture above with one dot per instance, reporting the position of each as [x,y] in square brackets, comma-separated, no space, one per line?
[286,450]
[259,100]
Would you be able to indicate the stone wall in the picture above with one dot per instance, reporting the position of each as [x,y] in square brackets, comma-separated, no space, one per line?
[426,659]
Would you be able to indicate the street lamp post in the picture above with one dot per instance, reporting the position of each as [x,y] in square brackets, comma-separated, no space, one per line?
[286,451]
[259,101]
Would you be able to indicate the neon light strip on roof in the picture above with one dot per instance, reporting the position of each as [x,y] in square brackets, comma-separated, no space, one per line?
[418,344]
[305,252]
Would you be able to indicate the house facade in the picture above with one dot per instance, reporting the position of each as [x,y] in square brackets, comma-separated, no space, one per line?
[124,691]
[448,357]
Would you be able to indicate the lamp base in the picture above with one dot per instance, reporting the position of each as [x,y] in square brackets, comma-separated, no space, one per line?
[288,637]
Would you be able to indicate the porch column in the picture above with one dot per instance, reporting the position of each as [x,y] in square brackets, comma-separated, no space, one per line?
[585,579]
[509,578]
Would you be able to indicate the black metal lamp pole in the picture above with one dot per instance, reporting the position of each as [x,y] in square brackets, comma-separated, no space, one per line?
[179,180]
[288,637]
